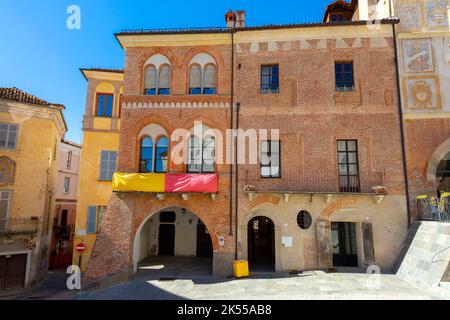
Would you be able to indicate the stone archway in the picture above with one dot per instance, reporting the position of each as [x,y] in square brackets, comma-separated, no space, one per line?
[243,236]
[435,160]
[190,235]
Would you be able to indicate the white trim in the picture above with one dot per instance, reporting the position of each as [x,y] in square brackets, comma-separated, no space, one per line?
[28,264]
[157,60]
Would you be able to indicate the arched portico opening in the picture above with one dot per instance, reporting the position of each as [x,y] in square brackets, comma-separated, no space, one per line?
[174,241]
[271,238]
[443,175]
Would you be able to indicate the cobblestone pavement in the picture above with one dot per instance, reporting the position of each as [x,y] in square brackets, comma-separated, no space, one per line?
[182,279]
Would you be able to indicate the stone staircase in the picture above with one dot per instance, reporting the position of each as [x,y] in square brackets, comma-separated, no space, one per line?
[425,259]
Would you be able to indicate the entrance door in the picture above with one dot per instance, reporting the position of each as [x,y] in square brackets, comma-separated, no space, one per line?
[204,244]
[167,240]
[344,244]
[261,244]
[12,271]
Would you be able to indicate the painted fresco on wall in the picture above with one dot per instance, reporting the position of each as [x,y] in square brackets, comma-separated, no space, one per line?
[410,15]
[436,14]
[423,92]
[418,55]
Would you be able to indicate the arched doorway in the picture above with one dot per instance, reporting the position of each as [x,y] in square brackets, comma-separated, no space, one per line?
[443,175]
[261,244]
[173,242]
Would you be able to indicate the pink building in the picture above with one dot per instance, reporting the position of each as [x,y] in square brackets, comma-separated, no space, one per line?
[66,205]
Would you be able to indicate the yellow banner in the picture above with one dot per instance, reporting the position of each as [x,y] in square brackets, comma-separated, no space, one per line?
[138,182]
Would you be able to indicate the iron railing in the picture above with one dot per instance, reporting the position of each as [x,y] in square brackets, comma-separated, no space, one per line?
[295,180]
[432,209]
[19,226]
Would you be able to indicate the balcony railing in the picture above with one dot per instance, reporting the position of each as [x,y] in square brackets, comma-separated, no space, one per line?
[295,180]
[431,209]
[18,226]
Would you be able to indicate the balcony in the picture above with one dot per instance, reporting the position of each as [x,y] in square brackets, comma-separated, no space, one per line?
[19,226]
[295,181]
[166,183]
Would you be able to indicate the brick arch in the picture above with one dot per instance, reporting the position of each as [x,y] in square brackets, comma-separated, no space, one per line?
[220,63]
[146,55]
[266,199]
[189,123]
[335,206]
[141,219]
[435,160]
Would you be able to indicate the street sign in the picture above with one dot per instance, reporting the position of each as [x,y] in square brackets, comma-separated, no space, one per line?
[81,248]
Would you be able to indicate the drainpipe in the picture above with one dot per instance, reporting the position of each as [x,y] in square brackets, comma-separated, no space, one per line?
[232,133]
[236,197]
[402,129]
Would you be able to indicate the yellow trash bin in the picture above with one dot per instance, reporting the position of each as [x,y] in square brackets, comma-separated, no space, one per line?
[241,269]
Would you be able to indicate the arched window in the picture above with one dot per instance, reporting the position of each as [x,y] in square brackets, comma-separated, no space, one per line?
[150,80]
[195,79]
[164,80]
[202,155]
[147,155]
[210,79]
[162,155]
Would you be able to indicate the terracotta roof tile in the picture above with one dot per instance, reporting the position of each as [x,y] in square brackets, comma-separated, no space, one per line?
[18,95]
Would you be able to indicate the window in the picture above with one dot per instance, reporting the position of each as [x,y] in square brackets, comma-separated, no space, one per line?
[162,155]
[344,76]
[157,82]
[348,166]
[105,103]
[69,160]
[304,220]
[202,156]
[66,184]
[92,220]
[270,79]
[337,18]
[270,159]
[8,135]
[107,165]
[5,197]
[146,155]
[202,81]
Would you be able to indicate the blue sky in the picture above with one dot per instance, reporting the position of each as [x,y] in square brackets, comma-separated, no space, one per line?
[41,56]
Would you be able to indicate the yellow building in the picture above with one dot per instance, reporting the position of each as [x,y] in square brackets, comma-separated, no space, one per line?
[31,130]
[101,126]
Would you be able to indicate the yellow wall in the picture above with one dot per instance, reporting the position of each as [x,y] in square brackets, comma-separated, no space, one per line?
[92,192]
[36,169]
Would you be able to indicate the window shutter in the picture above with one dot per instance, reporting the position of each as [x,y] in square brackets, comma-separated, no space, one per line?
[164,77]
[195,76]
[92,220]
[210,76]
[4,204]
[150,77]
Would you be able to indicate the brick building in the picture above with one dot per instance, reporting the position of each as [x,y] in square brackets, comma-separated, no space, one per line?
[328,191]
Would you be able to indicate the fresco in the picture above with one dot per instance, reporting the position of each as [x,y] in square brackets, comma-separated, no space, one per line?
[417,55]
[410,14]
[436,15]
[423,92]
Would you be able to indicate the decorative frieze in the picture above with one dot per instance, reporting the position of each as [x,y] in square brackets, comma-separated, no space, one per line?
[176,105]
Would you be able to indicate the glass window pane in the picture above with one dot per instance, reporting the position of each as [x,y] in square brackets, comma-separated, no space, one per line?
[353,169]
[109,105]
[351,145]
[265,171]
[342,157]
[348,67]
[342,146]
[100,105]
[352,158]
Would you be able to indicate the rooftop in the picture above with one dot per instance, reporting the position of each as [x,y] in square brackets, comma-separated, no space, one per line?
[15,94]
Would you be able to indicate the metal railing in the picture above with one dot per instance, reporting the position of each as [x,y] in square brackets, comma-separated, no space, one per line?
[19,226]
[432,209]
[295,180]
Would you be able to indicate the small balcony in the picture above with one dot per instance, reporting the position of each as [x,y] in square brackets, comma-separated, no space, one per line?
[19,226]
[310,182]
[166,183]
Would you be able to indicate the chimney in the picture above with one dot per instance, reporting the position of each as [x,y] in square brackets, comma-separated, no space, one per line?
[240,19]
[230,18]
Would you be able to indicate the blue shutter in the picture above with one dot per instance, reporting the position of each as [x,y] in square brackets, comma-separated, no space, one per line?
[92,220]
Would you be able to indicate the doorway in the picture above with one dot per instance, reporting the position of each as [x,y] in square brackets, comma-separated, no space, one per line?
[344,244]
[261,244]
[204,243]
[166,240]
[12,271]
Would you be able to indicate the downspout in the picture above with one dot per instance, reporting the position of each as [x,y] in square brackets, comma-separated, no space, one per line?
[402,129]
[231,132]
[236,196]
